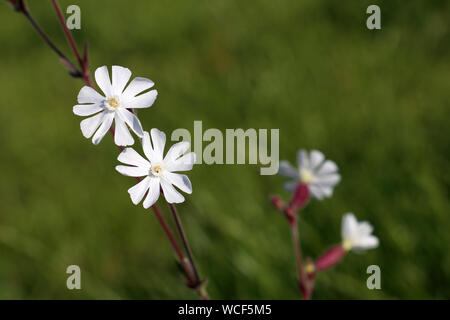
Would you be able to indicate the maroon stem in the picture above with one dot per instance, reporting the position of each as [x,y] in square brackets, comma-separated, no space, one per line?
[67,32]
[298,258]
[184,240]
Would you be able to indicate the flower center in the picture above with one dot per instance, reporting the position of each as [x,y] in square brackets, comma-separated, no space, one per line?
[347,244]
[306,176]
[157,170]
[113,102]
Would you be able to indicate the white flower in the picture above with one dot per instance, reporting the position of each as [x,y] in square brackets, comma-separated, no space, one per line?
[319,174]
[113,105]
[357,235]
[158,171]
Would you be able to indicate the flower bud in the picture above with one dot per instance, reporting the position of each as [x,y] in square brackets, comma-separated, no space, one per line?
[277,203]
[330,257]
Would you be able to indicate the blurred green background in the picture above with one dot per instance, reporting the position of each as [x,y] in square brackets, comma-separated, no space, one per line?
[376,102]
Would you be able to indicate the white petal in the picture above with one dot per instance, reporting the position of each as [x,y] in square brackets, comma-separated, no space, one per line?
[144,100]
[315,158]
[328,167]
[132,171]
[131,157]
[181,181]
[153,193]
[89,125]
[171,195]
[185,163]
[302,159]
[106,124]
[158,142]
[290,186]
[368,242]
[89,95]
[364,228]
[120,78]
[316,192]
[176,151]
[132,121]
[348,226]
[137,192]
[136,86]
[87,109]
[328,180]
[122,136]
[103,81]
[287,170]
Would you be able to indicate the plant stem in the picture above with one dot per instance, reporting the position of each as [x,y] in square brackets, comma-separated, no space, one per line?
[84,74]
[304,284]
[69,37]
[23,9]
[184,240]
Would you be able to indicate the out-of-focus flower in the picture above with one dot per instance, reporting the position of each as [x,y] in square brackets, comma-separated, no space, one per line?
[157,169]
[114,105]
[320,175]
[356,235]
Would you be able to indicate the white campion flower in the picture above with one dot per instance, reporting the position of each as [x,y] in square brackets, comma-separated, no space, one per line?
[319,174]
[356,235]
[113,105]
[157,169]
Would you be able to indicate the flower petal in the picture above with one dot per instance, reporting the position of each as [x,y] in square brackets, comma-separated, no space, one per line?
[89,125]
[302,159]
[106,124]
[137,192]
[103,81]
[171,195]
[348,226]
[120,78]
[153,193]
[144,100]
[136,86]
[158,142]
[290,186]
[89,95]
[365,243]
[327,167]
[131,157]
[181,181]
[327,180]
[315,158]
[132,171]
[122,136]
[176,151]
[132,121]
[87,109]
[185,163]
[287,170]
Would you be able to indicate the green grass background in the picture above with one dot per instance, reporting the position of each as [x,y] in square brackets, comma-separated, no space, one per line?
[376,102]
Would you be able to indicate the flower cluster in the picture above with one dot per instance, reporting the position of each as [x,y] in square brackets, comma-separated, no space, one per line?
[316,177]
[116,106]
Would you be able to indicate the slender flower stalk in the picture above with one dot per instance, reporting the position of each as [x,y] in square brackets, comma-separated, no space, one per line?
[83,72]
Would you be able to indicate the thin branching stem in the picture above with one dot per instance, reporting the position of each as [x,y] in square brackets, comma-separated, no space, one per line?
[83,72]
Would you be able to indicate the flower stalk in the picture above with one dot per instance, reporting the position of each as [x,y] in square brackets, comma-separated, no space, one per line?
[82,72]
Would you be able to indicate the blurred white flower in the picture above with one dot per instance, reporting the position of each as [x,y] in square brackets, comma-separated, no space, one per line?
[319,174]
[113,105]
[157,170]
[356,235]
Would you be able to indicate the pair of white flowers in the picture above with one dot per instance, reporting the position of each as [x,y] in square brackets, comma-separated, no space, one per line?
[116,106]
[321,176]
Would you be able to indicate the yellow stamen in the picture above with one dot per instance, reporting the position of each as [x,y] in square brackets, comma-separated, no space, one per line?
[113,102]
